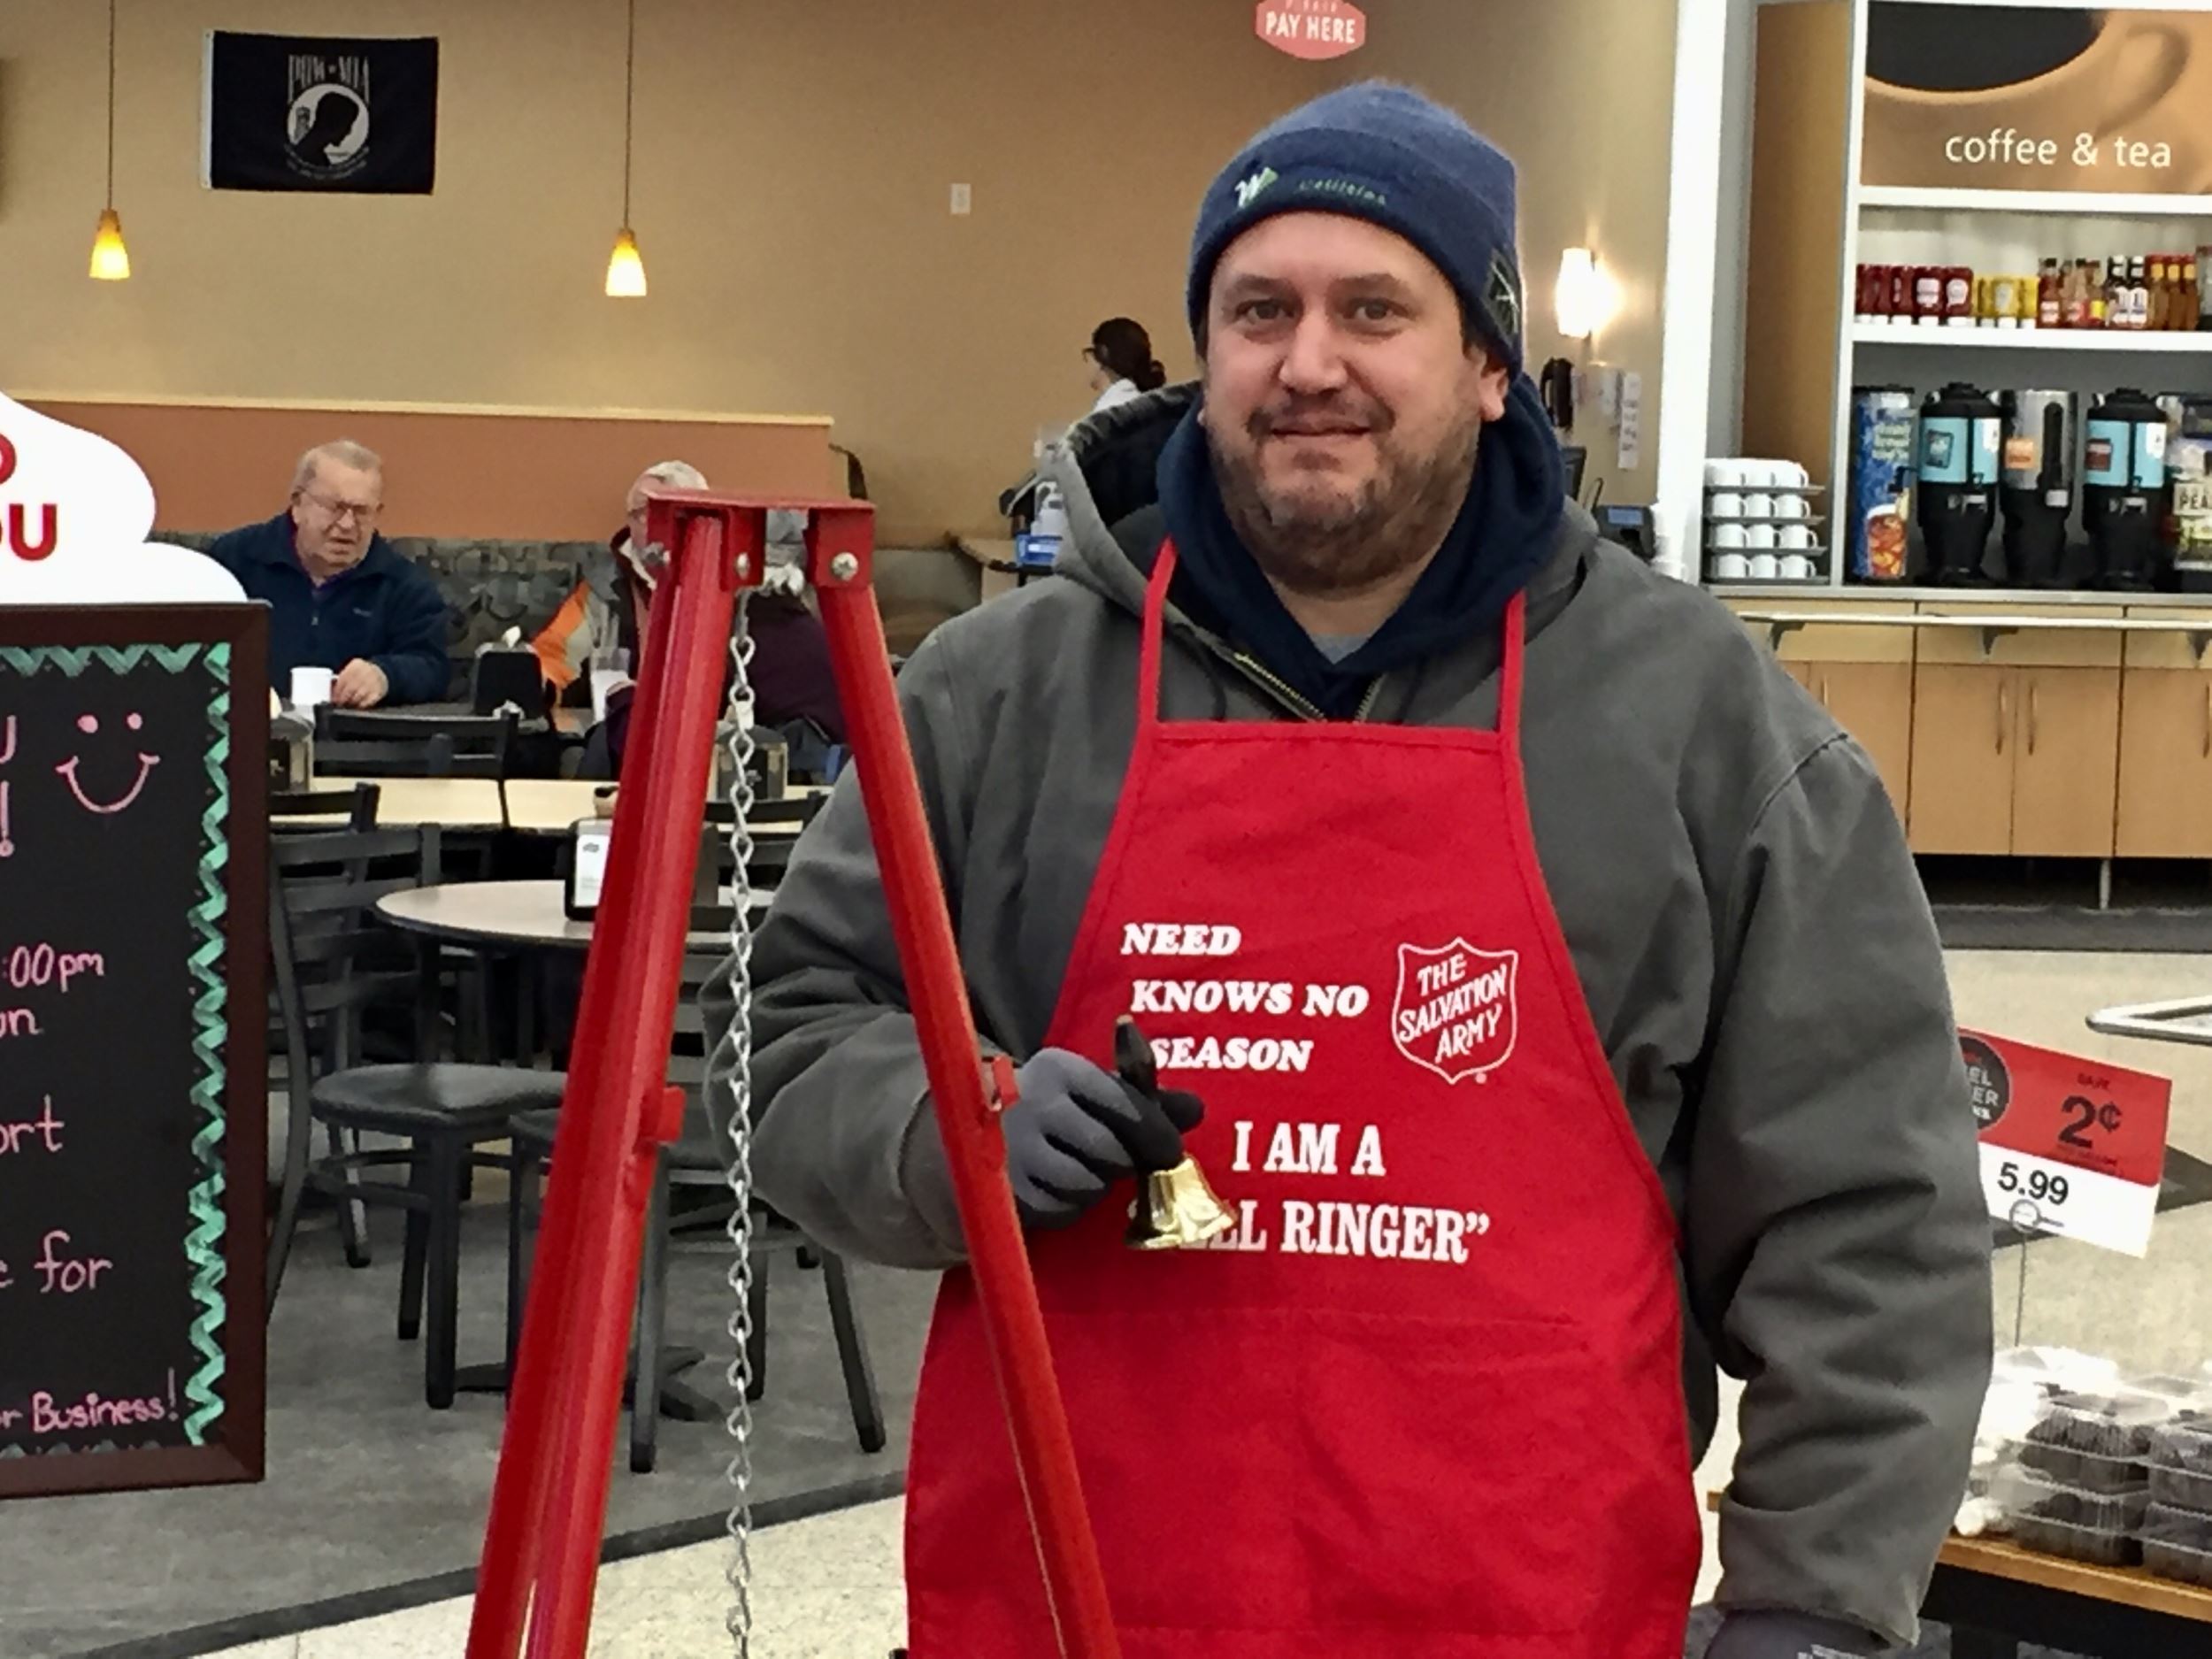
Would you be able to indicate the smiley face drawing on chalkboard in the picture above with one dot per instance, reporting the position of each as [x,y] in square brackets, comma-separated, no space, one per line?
[89,725]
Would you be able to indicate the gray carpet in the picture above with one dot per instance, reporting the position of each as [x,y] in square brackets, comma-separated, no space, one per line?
[370,1496]
[2146,930]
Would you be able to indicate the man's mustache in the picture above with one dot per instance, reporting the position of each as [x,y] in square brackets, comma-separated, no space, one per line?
[1266,422]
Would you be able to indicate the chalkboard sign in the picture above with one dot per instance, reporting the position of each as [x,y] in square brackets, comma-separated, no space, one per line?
[132,1014]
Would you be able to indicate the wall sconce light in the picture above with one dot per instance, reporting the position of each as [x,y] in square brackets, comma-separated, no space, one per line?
[1582,294]
[626,266]
[111,259]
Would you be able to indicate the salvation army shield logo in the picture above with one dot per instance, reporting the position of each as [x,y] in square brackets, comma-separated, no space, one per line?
[1458,1011]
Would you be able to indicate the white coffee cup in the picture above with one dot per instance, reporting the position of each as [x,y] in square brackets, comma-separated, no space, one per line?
[1730,567]
[1790,475]
[1795,567]
[1730,537]
[1723,474]
[1789,506]
[1758,506]
[1760,536]
[1727,504]
[1796,535]
[311,687]
[1764,567]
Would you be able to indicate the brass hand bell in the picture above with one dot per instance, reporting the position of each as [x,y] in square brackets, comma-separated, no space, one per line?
[1176,1210]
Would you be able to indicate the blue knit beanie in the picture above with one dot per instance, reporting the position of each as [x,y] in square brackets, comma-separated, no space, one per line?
[1388,155]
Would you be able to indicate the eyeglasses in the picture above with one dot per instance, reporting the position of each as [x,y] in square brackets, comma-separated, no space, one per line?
[360,512]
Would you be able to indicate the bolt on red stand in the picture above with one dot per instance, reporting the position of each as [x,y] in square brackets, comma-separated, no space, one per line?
[548,1502]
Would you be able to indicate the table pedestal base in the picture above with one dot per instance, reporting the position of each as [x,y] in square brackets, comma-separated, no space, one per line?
[678,1399]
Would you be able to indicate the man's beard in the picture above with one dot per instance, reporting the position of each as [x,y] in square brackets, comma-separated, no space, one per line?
[1347,543]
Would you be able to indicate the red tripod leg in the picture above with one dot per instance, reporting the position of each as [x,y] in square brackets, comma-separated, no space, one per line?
[839,562]
[548,1502]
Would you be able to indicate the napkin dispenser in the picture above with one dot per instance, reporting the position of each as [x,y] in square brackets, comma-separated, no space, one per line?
[291,751]
[584,871]
[769,767]
[505,672]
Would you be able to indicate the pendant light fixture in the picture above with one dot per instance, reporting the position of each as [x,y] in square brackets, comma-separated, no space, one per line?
[110,260]
[626,267]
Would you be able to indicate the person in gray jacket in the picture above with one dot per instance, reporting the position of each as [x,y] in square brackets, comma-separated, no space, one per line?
[1540,976]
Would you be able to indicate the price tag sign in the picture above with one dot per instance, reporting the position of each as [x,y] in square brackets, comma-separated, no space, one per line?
[2069,1145]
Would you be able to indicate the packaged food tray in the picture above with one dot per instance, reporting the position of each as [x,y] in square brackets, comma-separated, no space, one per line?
[2096,1443]
[2180,1460]
[2177,1544]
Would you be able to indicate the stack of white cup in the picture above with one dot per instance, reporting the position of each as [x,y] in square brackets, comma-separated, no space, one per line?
[1760,525]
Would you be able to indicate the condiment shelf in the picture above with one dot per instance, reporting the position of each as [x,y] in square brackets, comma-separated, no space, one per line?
[2171,343]
[2064,202]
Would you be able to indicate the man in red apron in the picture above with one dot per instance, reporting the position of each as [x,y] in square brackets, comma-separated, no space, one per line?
[1498,1032]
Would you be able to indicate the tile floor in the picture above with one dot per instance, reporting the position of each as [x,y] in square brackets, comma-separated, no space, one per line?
[826,1588]
[829,1588]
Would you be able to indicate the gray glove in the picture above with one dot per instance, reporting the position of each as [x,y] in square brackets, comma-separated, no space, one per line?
[1078,1129]
[1790,1636]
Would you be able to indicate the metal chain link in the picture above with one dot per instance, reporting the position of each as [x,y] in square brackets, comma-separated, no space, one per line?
[737,1057]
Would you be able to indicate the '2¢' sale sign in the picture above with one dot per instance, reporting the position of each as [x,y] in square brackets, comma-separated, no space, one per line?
[2069,1145]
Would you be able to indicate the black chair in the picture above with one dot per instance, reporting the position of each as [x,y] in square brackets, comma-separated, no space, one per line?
[358,806]
[330,954]
[397,743]
[389,743]
[696,1166]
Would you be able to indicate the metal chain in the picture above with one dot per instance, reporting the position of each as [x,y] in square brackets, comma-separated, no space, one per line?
[736,1058]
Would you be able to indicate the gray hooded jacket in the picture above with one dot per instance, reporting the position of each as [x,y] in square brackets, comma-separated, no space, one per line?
[1748,928]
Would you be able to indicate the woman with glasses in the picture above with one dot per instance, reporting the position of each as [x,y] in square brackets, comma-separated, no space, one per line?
[1121,364]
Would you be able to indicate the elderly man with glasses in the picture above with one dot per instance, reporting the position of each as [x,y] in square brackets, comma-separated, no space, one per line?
[340,595]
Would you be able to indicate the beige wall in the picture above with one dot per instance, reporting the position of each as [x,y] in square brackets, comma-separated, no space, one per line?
[1581,93]
[794,159]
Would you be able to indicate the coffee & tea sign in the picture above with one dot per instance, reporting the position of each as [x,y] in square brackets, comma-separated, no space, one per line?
[2073,99]
[1311,29]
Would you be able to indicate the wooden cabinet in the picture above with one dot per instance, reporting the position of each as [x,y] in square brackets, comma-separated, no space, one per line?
[2066,761]
[1961,760]
[2073,742]
[2165,785]
[2015,760]
[2016,736]
[1862,673]
[1873,702]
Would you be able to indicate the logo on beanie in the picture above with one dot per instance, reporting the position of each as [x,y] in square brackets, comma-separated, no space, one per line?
[1346,190]
[1502,298]
[1248,190]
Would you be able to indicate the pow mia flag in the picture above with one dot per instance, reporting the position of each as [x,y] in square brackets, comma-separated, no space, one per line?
[290,112]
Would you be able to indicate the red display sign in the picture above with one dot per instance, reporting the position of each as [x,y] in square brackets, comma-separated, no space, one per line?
[2069,1145]
[2067,1108]
[1311,29]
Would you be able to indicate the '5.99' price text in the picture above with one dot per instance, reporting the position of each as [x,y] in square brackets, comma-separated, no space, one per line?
[2038,1185]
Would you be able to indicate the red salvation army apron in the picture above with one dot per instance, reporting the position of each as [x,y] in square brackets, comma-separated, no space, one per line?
[1426,1401]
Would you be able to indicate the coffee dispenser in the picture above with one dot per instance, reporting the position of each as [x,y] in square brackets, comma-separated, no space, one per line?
[1960,432]
[2124,488]
[2040,429]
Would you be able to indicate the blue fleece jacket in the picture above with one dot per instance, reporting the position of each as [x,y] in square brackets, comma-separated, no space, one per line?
[383,609]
